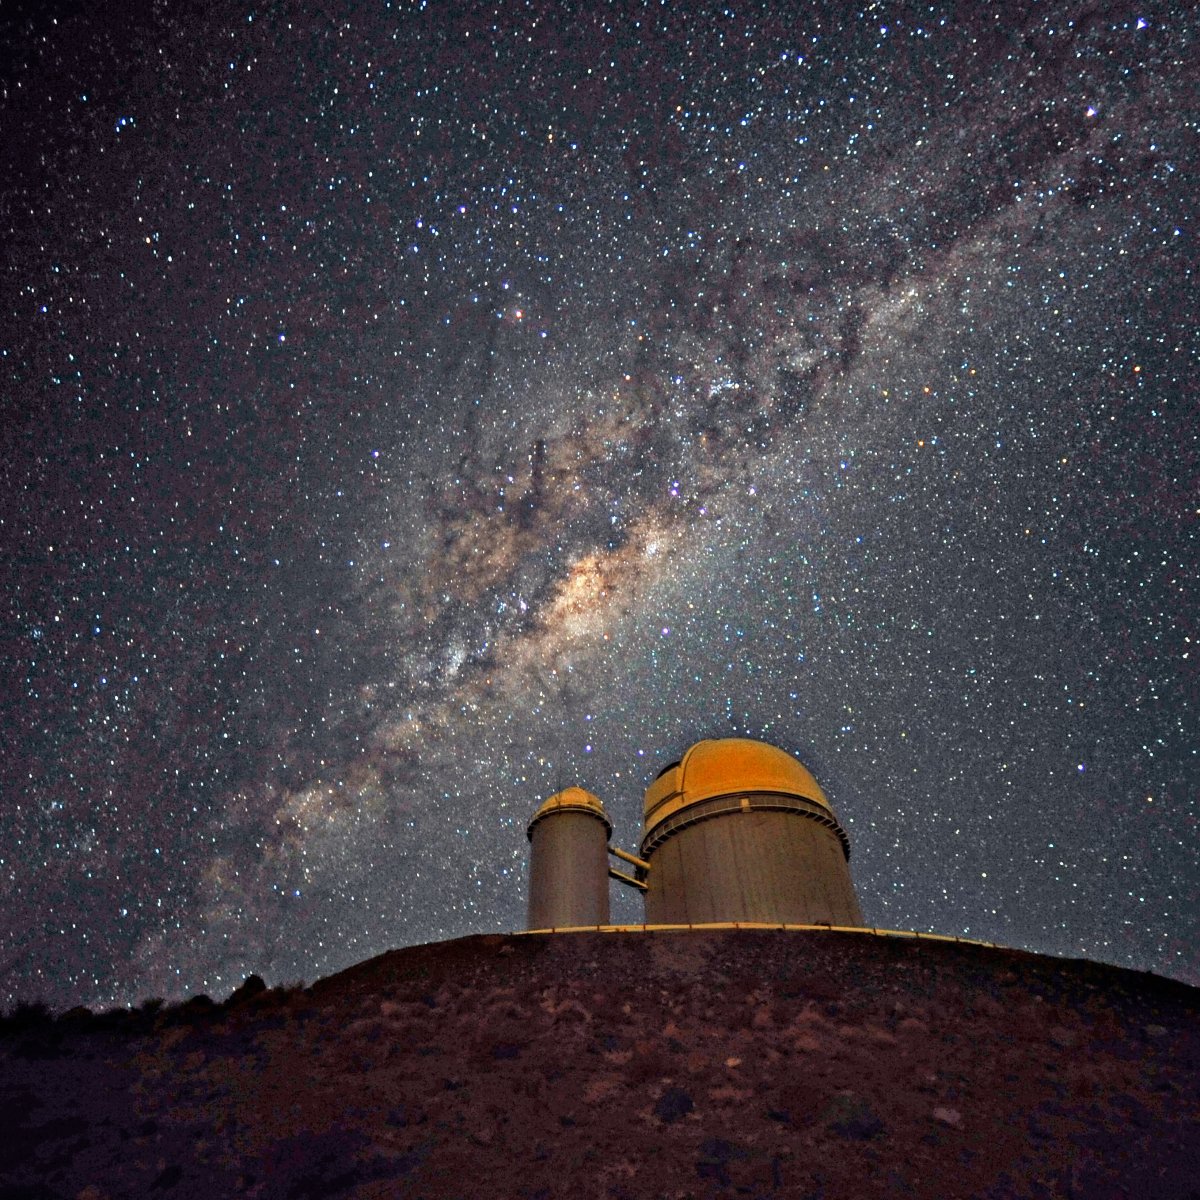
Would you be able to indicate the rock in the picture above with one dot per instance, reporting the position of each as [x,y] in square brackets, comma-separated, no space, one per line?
[852,1117]
[601,1089]
[948,1116]
[673,1104]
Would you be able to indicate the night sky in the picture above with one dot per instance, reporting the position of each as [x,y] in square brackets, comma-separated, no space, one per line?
[410,410]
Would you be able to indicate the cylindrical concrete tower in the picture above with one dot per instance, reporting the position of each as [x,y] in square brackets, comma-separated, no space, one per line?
[568,861]
[739,831]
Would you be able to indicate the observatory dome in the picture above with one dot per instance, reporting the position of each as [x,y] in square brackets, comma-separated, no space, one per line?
[739,831]
[568,863]
[728,766]
[572,799]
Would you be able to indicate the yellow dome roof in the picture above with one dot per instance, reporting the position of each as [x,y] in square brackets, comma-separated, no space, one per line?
[572,799]
[728,766]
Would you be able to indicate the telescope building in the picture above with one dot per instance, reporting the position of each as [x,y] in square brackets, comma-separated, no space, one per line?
[735,831]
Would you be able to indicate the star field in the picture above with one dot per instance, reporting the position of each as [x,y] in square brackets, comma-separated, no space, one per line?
[410,410]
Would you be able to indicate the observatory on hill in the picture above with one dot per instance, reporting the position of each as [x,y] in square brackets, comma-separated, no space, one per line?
[737,1043]
[736,831]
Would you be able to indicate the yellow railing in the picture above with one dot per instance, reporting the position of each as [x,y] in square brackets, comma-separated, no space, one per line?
[718,925]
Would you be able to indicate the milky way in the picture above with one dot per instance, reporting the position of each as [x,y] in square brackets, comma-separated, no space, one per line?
[410,410]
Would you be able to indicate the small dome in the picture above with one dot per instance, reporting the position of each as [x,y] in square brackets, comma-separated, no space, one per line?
[572,799]
[727,766]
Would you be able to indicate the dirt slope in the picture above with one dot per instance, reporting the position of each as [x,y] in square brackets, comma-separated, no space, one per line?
[626,1065]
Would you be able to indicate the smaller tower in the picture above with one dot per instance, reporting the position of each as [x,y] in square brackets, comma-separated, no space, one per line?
[568,861]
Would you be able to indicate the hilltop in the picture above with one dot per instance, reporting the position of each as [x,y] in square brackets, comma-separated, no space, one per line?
[677,1064]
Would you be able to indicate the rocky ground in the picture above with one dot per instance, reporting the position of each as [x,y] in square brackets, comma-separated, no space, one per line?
[687,1064]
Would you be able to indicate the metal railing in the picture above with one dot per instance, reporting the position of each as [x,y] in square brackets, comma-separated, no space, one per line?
[722,925]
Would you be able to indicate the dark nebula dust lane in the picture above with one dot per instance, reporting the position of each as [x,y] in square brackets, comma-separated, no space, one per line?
[411,410]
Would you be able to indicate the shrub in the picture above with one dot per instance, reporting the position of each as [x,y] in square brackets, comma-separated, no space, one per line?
[28,1014]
